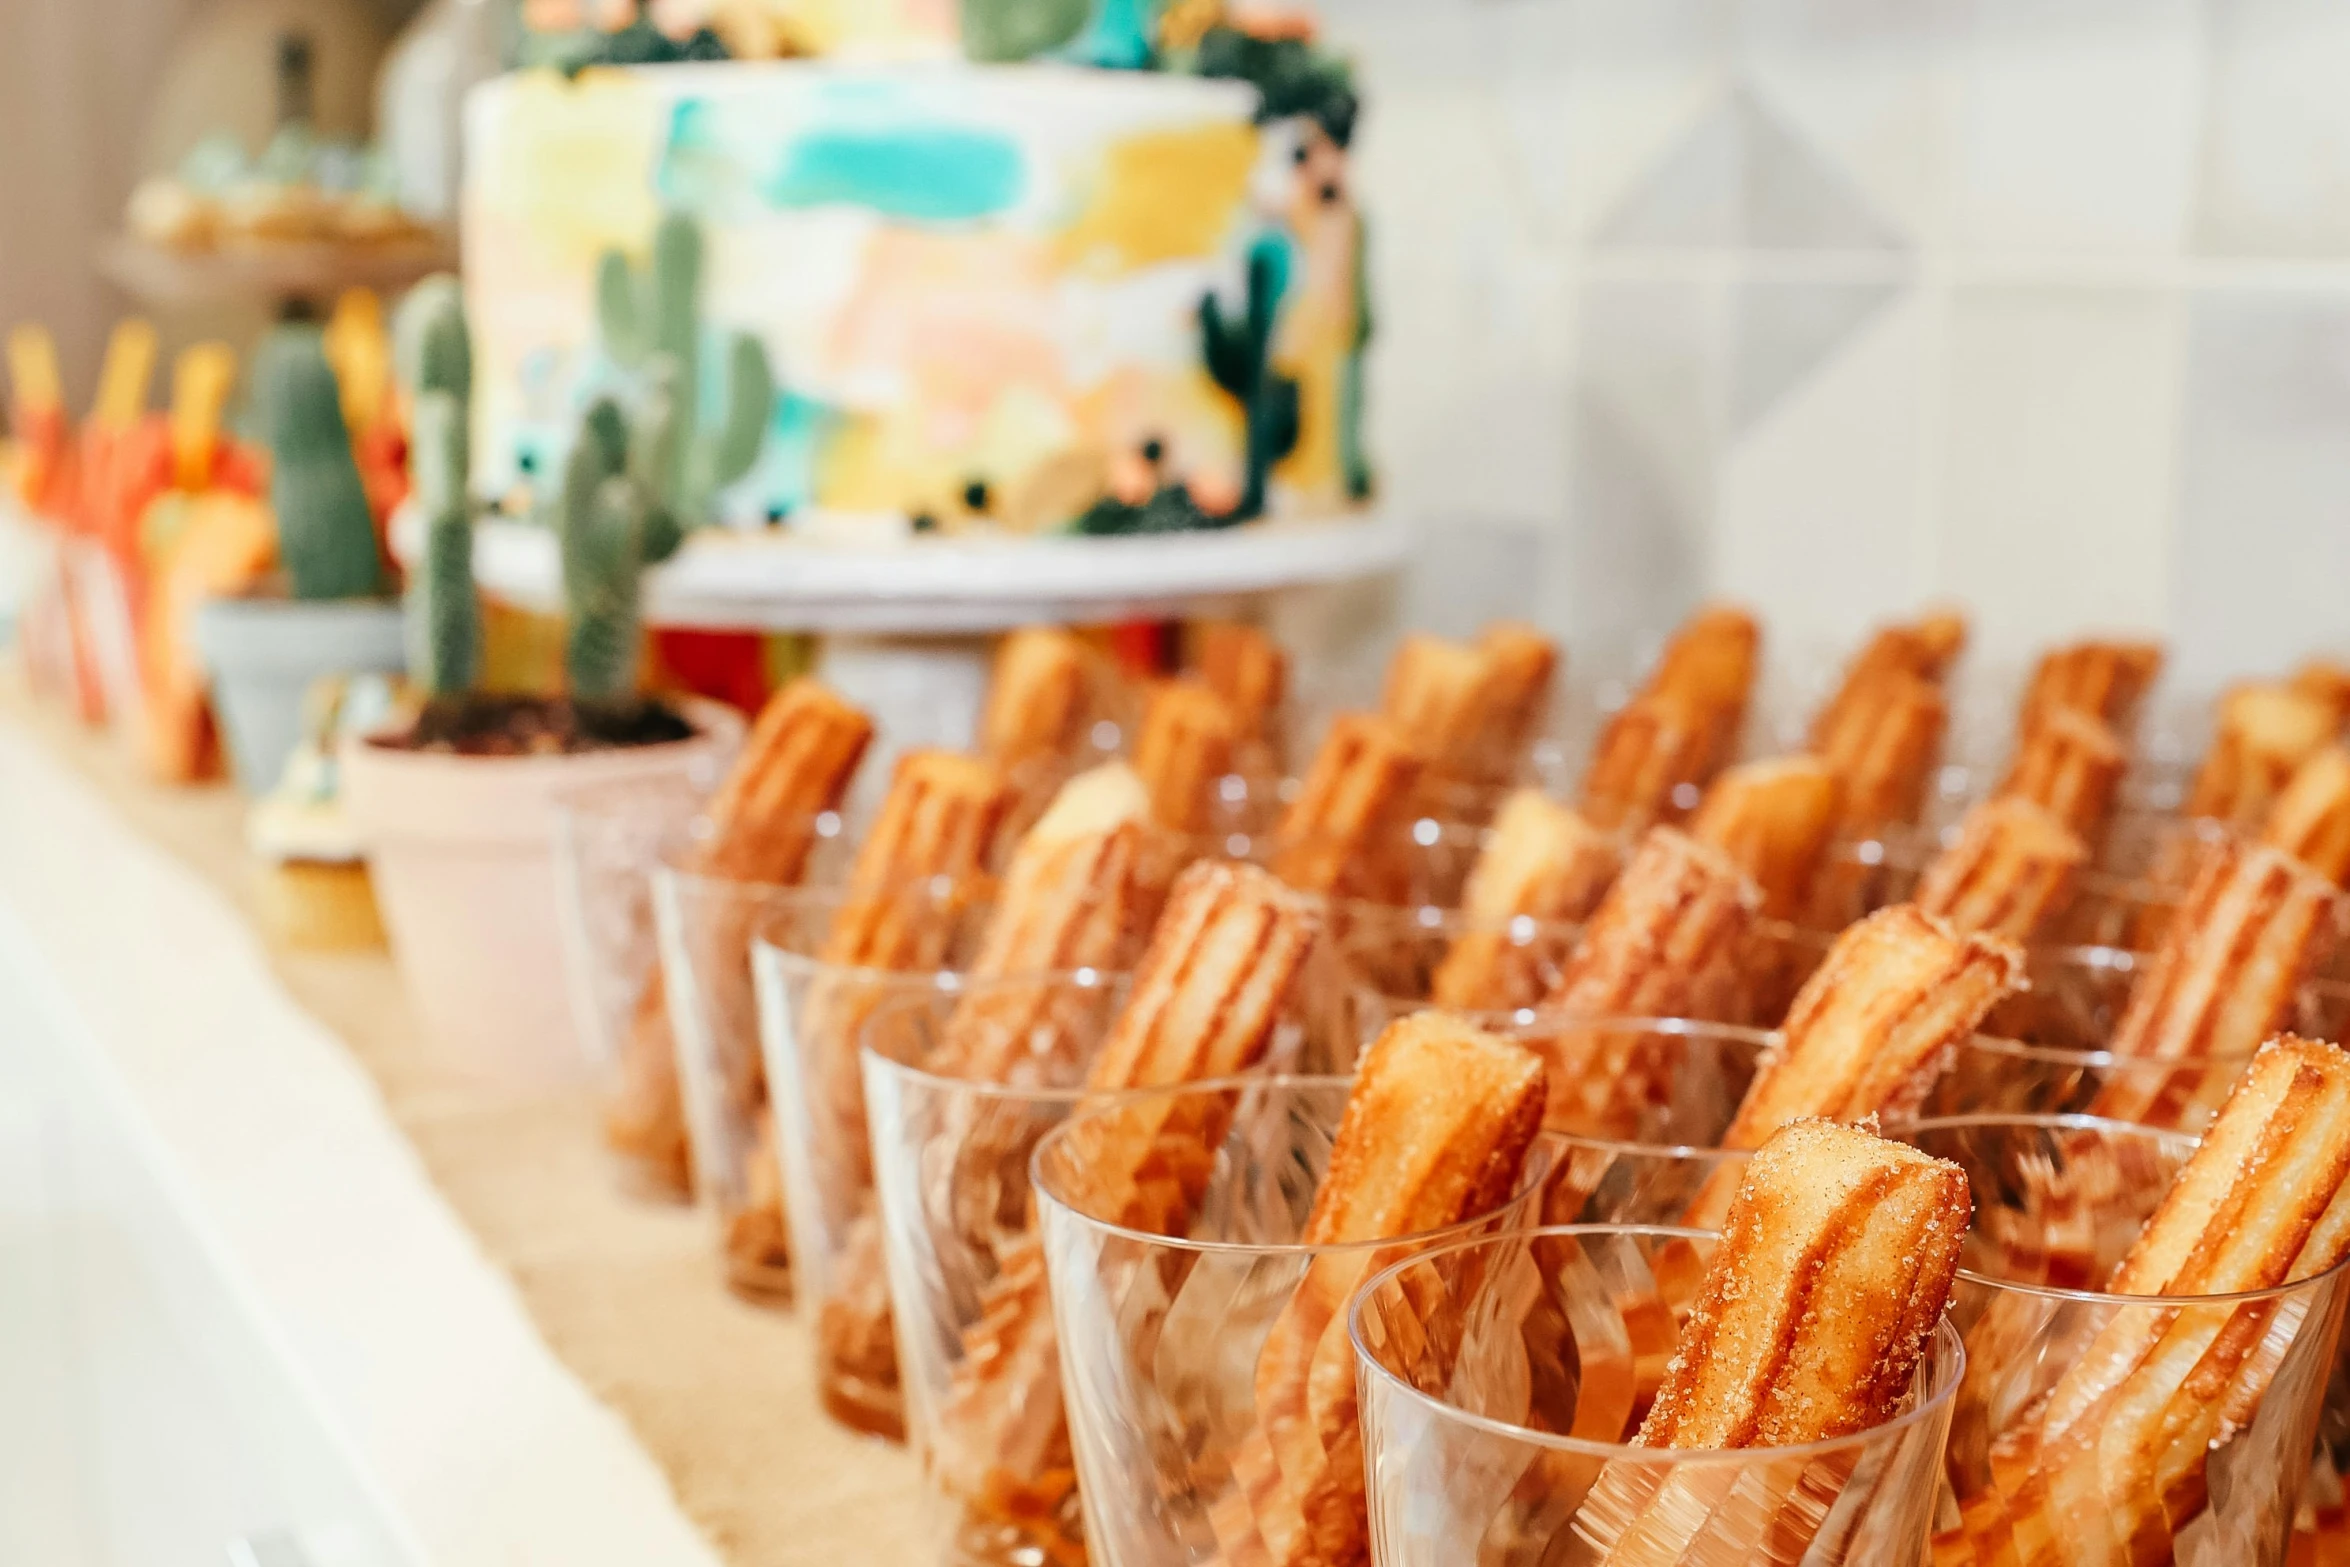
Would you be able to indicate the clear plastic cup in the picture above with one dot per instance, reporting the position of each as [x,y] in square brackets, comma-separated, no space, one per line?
[608,839]
[812,1014]
[1188,1339]
[1993,1076]
[2197,1450]
[1502,1380]
[976,1357]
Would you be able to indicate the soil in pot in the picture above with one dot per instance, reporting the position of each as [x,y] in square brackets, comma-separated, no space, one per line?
[489,726]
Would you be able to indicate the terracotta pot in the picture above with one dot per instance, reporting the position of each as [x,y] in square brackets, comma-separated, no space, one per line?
[263,653]
[462,849]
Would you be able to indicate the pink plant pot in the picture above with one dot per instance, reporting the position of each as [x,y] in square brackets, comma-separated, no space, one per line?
[462,852]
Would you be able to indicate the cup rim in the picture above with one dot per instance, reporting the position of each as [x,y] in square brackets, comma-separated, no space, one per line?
[915,981]
[1535,1174]
[670,859]
[2022,1050]
[1946,1336]
[869,1060]
[1905,1131]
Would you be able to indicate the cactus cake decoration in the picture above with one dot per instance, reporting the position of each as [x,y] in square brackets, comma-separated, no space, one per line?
[326,535]
[434,359]
[1239,358]
[652,317]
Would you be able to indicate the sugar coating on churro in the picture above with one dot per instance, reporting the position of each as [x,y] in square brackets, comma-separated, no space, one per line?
[2311,819]
[1540,861]
[2103,679]
[1883,746]
[795,765]
[1037,696]
[2009,873]
[1342,832]
[2263,735]
[1245,667]
[1774,819]
[1836,1260]
[2069,763]
[1185,750]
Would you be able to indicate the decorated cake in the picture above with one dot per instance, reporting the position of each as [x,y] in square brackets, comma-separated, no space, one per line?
[1113,286]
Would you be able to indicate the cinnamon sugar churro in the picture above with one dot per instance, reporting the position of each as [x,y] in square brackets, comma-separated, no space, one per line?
[1339,835]
[1246,668]
[1434,1133]
[796,763]
[1657,753]
[1470,708]
[2104,679]
[2255,925]
[1520,666]
[2311,818]
[2110,1464]
[2069,763]
[1208,998]
[1188,742]
[1666,941]
[1883,746]
[2009,873]
[1540,862]
[2265,732]
[1038,697]
[1774,819]
[1923,649]
[1838,1254]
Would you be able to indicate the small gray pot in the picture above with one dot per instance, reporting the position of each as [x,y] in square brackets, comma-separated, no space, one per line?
[263,653]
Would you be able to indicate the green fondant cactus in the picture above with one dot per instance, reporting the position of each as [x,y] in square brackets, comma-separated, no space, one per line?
[434,358]
[1239,359]
[656,316]
[613,523]
[1005,32]
[326,535]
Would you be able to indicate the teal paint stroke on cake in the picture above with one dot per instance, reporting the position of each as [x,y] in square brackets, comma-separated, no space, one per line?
[702,168]
[923,173]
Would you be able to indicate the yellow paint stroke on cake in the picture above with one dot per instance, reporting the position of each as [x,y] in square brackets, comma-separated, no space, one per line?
[1163,196]
[1316,332]
[573,166]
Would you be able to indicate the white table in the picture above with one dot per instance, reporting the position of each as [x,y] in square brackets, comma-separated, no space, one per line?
[232,1306]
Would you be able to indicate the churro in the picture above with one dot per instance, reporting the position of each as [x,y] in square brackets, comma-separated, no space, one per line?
[1713,657]
[1038,697]
[1185,751]
[1836,1261]
[1923,648]
[2255,925]
[1774,819]
[1208,999]
[1667,940]
[2110,1463]
[2329,682]
[2311,818]
[1883,747]
[1652,762]
[2069,763]
[1432,694]
[1341,834]
[2009,873]
[2105,680]
[1246,668]
[795,764]
[1540,862]
[1520,666]
[2265,732]
[1434,1133]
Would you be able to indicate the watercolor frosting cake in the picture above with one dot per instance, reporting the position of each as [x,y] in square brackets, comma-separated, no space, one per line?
[1107,277]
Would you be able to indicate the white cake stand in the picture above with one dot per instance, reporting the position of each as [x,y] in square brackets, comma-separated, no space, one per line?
[904,626]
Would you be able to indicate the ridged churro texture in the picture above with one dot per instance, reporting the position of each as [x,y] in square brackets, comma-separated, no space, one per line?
[1923,649]
[1883,747]
[2264,733]
[1246,668]
[1667,941]
[1207,1001]
[2254,926]
[1432,694]
[1774,819]
[2009,874]
[2105,680]
[1877,1022]
[1541,861]
[2069,763]
[1434,1134]
[1470,708]
[795,764]
[937,824]
[1037,697]
[2329,682]
[2311,818]
[1186,748]
[2110,1464]
[1656,754]
[1521,665]
[1341,832]
[1835,1262]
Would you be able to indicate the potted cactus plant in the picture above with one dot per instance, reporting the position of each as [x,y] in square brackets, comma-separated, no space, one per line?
[457,801]
[328,609]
